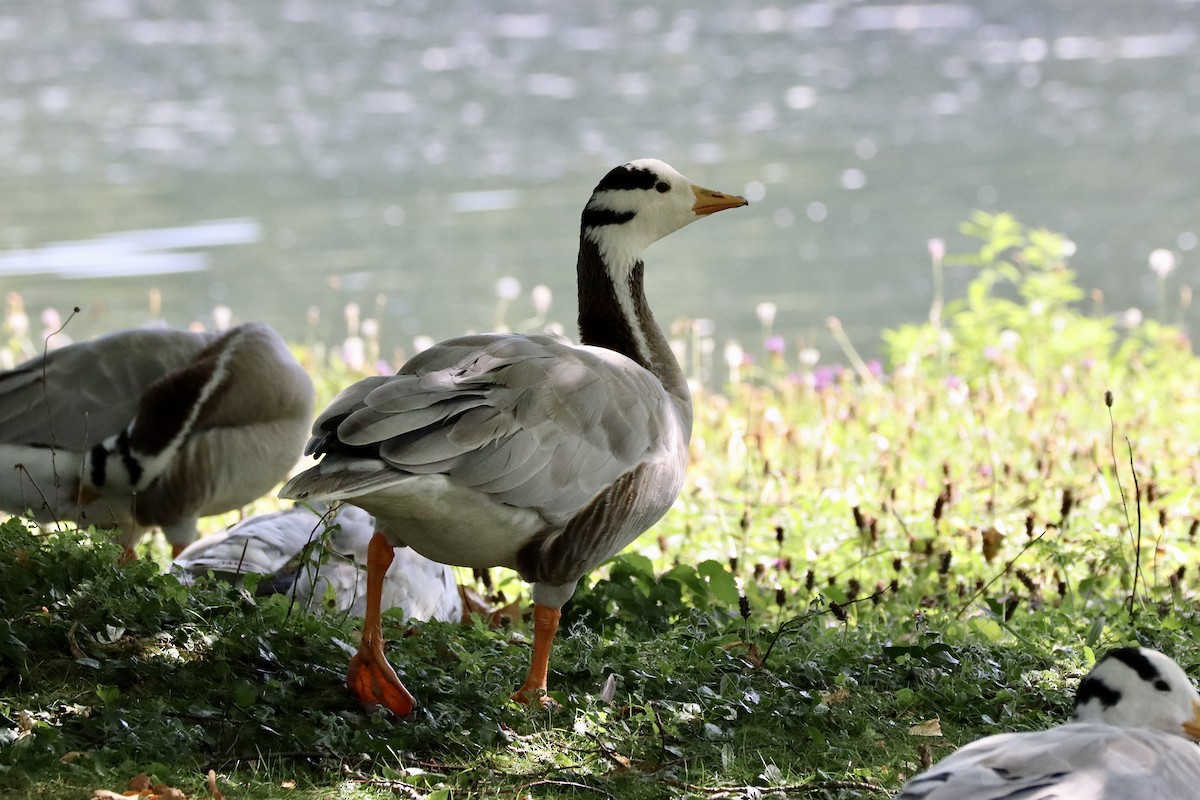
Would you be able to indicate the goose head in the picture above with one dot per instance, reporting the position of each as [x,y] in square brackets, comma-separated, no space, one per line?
[640,202]
[1135,687]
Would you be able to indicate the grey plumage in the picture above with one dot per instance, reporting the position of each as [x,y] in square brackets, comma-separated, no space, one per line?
[536,454]
[525,451]
[1129,741]
[310,555]
[147,428]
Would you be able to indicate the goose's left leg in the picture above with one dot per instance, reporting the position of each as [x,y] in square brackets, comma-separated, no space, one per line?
[545,626]
[370,676]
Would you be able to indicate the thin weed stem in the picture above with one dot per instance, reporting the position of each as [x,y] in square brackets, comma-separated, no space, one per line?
[1007,568]
[1137,545]
[1136,538]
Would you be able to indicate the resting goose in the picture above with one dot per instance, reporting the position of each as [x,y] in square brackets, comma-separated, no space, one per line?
[1129,740]
[152,427]
[524,451]
[304,553]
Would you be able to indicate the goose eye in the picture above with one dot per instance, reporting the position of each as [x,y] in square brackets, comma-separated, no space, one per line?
[662,186]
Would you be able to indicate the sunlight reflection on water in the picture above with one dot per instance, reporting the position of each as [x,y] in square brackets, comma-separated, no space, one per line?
[349,140]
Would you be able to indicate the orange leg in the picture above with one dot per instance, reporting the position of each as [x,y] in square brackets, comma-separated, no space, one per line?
[545,625]
[370,676]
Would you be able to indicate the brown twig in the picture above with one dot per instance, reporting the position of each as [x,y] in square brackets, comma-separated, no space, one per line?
[41,494]
[397,787]
[717,792]
[794,621]
[570,784]
[46,403]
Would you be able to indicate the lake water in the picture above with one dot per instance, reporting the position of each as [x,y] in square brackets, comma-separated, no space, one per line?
[286,159]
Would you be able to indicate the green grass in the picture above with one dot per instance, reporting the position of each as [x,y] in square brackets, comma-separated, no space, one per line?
[854,559]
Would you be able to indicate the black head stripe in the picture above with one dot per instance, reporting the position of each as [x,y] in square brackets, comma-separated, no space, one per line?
[597,217]
[627,177]
[99,465]
[1096,689]
[1137,661]
[132,465]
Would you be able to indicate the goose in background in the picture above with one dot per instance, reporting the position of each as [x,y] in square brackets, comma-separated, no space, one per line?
[525,452]
[151,428]
[1136,714]
[311,554]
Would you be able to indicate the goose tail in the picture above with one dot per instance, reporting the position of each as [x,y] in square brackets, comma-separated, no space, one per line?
[339,479]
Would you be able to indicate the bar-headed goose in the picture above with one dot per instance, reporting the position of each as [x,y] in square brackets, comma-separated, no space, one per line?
[1135,714]
[153,427]
[524,451]
[307,554]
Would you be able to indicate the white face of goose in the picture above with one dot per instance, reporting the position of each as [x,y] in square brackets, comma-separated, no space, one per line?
[1134,687]
[639,203]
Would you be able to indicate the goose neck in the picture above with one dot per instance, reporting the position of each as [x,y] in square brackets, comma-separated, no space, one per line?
[614,314]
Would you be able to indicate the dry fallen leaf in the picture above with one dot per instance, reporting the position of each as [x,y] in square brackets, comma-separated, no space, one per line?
[474,604]
[212,785]
[609,690]
[506,615]
[142,787]
[72,643]
[992,540]
[929,727]
[752,654]
[837,697]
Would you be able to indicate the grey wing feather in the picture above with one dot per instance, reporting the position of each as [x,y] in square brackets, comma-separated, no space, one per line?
[294,546]
[261,545]
[79,394]
[511,416]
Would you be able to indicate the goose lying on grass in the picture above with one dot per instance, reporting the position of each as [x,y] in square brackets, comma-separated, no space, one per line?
[311,556]
[524,451]
[1135,714]
[151,428]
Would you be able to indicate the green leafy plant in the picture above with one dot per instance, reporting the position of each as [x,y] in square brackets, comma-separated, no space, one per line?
[858,560]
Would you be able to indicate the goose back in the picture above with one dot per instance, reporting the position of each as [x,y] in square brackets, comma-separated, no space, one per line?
[152,428]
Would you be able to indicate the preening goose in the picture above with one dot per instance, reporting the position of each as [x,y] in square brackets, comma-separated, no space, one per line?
[1129,740]
[305,554]
[524,451]
[151,427]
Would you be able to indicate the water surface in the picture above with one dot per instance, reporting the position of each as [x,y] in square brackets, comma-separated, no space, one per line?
[285,159]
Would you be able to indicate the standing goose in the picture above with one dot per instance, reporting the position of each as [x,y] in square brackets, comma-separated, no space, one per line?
[1129,740]
[146,428]
[524,451]
[304,553]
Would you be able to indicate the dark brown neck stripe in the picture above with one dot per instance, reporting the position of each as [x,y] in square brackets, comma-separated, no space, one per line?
[602,322]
